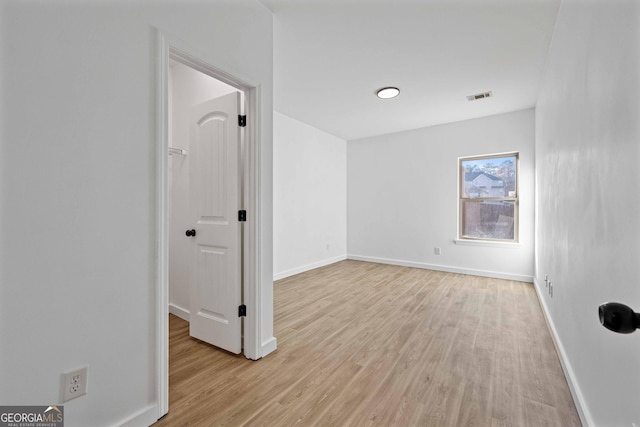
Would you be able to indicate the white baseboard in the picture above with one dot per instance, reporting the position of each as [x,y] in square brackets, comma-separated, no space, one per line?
[576,393]
[269,346]
[298,270]
[179,311]
[449,269]
[143,418]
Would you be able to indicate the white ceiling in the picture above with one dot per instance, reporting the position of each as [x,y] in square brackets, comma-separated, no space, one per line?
[330,56]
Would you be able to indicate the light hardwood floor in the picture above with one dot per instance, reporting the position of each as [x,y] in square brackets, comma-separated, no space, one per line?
[362,344]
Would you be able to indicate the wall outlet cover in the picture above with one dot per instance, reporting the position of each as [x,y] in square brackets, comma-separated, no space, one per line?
[74,383]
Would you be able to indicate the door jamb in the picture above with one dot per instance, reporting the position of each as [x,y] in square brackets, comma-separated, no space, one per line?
[171,47]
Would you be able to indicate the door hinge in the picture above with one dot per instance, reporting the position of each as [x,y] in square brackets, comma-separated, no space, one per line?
[242,216]
[242,121]
[242,310]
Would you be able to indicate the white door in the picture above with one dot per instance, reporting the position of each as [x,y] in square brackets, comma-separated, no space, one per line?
[215,288]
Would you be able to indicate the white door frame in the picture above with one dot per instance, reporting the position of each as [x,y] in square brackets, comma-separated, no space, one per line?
[172,47]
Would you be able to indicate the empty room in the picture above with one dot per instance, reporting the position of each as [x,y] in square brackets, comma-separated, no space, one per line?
[305,212]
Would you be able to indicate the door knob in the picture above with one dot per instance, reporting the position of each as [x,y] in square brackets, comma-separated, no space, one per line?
[618,317]
[190,233]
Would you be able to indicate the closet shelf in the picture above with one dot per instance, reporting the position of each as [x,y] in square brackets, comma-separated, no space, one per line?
[177,151]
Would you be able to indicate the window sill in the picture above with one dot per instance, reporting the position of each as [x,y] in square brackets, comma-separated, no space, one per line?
[469,242]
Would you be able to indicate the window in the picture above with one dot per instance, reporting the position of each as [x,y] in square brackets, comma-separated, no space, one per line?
[488,207]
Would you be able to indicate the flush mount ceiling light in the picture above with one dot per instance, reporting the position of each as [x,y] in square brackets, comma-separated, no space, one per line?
[388,92]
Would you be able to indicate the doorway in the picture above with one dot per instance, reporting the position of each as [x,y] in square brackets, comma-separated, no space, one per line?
[175,51]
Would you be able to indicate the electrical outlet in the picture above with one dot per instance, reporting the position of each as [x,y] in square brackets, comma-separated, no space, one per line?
[74,383]
[437,251]
[551,289]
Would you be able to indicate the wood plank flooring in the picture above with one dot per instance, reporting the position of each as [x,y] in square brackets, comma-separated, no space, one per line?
[363,344]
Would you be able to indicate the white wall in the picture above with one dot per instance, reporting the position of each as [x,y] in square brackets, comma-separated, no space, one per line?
[77,181]
[403,197]
[587,201]
[310,197]
[188,87]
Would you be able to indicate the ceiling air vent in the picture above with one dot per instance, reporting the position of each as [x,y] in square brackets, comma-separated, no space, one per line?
[480,96]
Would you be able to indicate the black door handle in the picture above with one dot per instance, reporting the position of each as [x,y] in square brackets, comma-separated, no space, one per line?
[618,317]
[190,233]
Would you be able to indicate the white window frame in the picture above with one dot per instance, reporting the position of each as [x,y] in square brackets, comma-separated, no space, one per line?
[516,202]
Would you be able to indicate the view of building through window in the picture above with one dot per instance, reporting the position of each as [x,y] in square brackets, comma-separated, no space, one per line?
[489,197]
